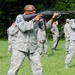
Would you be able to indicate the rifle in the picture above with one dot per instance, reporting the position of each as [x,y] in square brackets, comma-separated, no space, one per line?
[45,13]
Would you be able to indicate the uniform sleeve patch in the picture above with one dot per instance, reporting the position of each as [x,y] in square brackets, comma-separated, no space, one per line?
[19,20]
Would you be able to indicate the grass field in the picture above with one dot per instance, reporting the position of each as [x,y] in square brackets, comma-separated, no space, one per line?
[52,65]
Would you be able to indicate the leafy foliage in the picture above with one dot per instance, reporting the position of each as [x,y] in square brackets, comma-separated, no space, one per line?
[9,9]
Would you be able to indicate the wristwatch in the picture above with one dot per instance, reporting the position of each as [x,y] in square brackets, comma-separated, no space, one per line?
[33,20]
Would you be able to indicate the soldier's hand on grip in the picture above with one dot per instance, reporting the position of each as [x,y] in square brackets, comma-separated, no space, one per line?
[38,17]
[55,15]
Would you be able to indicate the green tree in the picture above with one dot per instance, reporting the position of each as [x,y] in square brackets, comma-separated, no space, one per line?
[9,9]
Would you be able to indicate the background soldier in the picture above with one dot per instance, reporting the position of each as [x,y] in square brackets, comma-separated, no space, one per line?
[71,51]
[27,42]
[55,35]
[67,34]
[12,35]
[42,40]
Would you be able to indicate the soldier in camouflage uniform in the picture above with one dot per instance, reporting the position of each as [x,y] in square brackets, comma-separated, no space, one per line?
[12,34]
[71,51]
[42,41]
[67,34]
[26,42]
[55,34]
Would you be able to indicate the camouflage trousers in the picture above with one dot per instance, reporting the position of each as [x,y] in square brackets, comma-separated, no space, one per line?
[18,58]
[71,52]
[55,40]
[67,42]
[43,46]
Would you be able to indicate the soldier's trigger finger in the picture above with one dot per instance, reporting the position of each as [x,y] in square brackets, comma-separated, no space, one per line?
[37,18]
[39,15]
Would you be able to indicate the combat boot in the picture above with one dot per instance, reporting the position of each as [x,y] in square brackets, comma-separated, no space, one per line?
[66,66]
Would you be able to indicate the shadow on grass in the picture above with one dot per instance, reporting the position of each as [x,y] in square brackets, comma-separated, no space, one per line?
[1,57]
[59,49]
[50,54]
[72,66]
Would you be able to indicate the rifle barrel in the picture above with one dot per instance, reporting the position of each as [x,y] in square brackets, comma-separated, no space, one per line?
[59,12]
